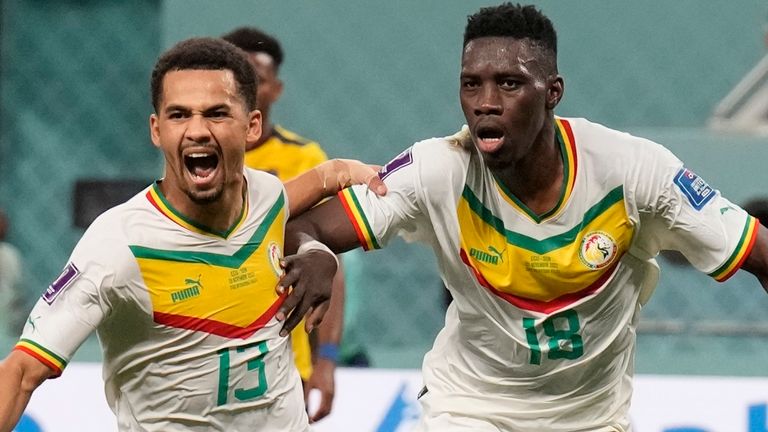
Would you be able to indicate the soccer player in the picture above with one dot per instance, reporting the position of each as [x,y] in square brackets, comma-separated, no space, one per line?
[286,155]
[545,229]
[181,281]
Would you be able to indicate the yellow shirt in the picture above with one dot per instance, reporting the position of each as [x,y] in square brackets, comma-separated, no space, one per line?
[287,155]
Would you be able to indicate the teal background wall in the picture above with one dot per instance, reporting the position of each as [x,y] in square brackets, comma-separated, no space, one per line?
[74,93]
[367,78]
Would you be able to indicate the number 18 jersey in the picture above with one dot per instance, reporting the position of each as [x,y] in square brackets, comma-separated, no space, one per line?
[541,332]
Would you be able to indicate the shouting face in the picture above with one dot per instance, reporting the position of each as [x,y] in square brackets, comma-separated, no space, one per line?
[509,88]
[202,125]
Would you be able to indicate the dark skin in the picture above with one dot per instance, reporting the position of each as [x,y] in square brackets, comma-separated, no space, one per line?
[509,89]
[757,261]
[322,377]
[508,95]
[508,92]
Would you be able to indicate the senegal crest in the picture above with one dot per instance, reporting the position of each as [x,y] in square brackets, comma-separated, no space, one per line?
[597,250]
[274,254]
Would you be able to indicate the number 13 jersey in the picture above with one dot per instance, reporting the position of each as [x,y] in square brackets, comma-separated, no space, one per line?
[184,313]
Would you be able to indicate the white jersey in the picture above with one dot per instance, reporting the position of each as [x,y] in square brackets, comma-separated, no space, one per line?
[184,314]
[541,333]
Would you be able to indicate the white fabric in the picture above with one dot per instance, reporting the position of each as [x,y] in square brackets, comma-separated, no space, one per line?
[482,363]
[160,377]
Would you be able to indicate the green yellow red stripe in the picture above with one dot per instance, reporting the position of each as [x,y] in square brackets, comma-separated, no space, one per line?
[44,355]
[547,245]
[232,261]
[156,198]
[564,137]
[543,274]
[357,217]
[219,328]
[546,307]
[743,248]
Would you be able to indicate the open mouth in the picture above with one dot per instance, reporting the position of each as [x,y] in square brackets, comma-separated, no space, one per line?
[201,165]
[489,138]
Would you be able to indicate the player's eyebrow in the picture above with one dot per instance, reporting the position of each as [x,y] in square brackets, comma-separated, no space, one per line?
[217,107]
[182,108]
[171,108]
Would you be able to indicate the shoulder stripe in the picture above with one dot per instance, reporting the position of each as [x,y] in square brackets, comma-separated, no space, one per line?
[740,254]
[231,261]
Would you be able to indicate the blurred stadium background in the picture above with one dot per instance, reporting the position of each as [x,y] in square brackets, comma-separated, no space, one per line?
[367,78]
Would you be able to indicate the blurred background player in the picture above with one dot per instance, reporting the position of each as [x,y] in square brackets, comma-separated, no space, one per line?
[286,155]
[12,310]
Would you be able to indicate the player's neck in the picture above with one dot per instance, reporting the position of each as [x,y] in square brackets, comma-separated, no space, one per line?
[537,180]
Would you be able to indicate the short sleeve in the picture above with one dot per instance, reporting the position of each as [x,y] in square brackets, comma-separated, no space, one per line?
[679,210]
[379,218]
[71,307]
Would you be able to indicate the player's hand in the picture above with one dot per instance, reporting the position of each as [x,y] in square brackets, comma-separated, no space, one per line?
[310,275]
[322,379]
[336,174]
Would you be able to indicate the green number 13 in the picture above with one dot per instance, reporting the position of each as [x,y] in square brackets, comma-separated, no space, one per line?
[256,363]
[560,327]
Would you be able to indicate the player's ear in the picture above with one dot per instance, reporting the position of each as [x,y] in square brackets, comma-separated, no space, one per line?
[555,89]
[254,126]
[154,130]
[278,90]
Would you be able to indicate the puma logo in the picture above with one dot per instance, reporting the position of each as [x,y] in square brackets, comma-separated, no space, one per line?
[493,257]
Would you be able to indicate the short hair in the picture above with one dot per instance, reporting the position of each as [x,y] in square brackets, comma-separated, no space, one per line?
[253,40]
[514,21]
[206,54]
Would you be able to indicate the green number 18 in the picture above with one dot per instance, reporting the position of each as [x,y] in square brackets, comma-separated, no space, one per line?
[256,363]
[568,319]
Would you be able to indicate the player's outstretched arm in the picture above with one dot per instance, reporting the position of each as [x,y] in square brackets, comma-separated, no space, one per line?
[757,261]
[327,179]
[20,375]
[310,276]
